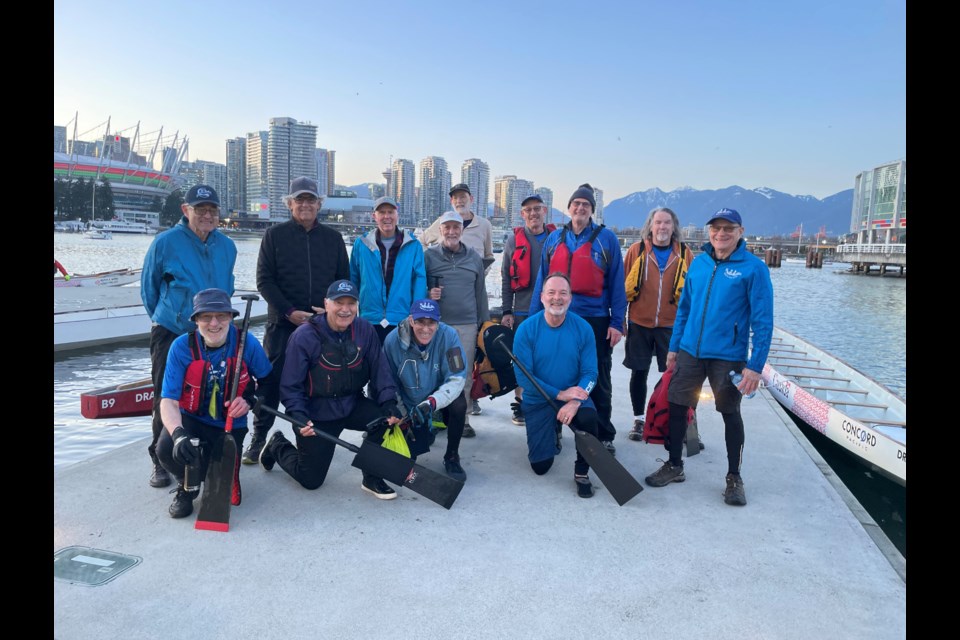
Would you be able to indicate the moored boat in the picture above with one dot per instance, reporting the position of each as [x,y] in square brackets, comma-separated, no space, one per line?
[862,416]
[126,400]
[115,278]
[97,234]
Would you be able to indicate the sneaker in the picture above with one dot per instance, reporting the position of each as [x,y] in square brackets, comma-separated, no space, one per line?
[252,454]
[608,445]
[517,418]
[378,488]
[182,504]
[584,487]
[160,477]
[468,432]
[665,475]
[734,494]
[475,409]
[453,469]
[636,433]
[267,459]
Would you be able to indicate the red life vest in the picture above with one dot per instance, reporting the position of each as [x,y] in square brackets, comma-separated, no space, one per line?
[586,277]
[521,260]
[195,398]
[656,427]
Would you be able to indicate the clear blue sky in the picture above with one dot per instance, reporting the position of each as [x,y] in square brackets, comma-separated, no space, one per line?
[795,96]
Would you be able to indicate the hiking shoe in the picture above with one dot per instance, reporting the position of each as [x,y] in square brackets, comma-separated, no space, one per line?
[636,433]
[584,487]
[453,469]
[160,478]
[378,488]
[734,494]
[475,409]
[665,475]
[252,454]
[517,418]
[468,432]
[608,445]
[182,504]
[267,458]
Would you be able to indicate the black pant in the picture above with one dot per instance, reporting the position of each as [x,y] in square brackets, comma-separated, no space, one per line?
[160,340]
[642,344]
[310,460]
[210,443]
[602,394]
[275,339]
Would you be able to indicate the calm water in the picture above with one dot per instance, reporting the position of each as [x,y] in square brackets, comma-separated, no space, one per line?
[859,319]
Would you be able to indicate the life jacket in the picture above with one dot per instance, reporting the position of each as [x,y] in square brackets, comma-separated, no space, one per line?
[586,277]
[634,278]
[493,370]
[195,397]
[520,262]
[656,428]
[341,370]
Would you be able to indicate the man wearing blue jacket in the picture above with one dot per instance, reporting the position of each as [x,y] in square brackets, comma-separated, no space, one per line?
[430,369]
[181,262]
[387,266]
[728,294]
[589,255]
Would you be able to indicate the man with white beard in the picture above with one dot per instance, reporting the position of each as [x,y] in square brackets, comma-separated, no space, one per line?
[559,350]
[477,231]
[656,269]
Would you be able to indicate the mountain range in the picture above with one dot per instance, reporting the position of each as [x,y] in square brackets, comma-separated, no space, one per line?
[765,212]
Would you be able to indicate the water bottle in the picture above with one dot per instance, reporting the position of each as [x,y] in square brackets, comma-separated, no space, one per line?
[735,378]
[191,472]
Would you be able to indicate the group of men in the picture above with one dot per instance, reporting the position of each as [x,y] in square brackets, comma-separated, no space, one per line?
[387,335]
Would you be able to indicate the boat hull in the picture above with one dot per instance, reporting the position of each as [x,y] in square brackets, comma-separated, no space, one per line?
[114,278]
[129,400]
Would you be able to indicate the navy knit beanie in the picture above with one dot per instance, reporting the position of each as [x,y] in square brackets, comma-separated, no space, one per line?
[584,191]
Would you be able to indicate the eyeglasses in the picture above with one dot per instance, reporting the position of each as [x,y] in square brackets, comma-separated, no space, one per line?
[580,204]
[211,212]
[305,199]
[726,228]
[207,318]
[533,209]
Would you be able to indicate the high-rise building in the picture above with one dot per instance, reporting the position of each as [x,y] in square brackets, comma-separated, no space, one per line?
[388,181]
[59,139]
[82,148]
[376,190]
[215,175]
[879,213]
[434,193]
[598,211]
[189,174]
[547,195]
[258,192]
[331,171]
[475,173]
[322,173]
[509,192]
[291,152]
[235,198]
[404,190]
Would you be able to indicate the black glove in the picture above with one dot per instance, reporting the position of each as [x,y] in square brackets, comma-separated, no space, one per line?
[422,414]
[184,451]
[389,409]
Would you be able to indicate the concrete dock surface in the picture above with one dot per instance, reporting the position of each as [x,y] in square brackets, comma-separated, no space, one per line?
[517,556]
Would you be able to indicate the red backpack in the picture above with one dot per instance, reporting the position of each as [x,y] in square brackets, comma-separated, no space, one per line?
[656,428]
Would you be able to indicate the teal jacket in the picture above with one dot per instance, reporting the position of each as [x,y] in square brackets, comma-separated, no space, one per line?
[409,278]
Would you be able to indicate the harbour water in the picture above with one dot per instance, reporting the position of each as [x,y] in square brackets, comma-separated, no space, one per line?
[860,319]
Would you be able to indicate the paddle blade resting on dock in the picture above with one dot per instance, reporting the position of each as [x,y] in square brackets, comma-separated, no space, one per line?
[401,471]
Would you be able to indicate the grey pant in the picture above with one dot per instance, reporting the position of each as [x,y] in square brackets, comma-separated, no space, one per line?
[468,340]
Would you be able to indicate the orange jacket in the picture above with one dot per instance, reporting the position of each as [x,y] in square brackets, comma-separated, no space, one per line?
[652,307]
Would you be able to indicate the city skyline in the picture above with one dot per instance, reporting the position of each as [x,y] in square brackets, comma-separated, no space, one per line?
[625,97]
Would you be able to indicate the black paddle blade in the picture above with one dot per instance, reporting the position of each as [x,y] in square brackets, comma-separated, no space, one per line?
[618,481]
[402,471]
[693,438]
[214,514]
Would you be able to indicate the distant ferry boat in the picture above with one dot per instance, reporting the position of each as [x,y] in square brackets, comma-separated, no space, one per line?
[122,226]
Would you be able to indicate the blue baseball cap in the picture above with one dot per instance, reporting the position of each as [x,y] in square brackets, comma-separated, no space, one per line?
[342,288]
[201,193]
[425,308]
[729,215]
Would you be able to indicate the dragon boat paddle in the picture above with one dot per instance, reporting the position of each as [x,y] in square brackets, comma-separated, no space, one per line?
[221,487]
[389,465]
[618,481]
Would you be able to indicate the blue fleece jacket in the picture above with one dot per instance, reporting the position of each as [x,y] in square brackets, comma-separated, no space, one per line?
[409,278]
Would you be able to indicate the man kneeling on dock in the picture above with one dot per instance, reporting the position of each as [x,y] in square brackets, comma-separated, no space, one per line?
[728,294]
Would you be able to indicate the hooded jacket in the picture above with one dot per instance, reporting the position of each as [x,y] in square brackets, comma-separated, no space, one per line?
[409,278]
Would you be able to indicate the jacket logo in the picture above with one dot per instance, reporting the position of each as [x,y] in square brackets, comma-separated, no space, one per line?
[732,273]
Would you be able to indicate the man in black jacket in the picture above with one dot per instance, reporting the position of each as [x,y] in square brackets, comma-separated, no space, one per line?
[298,260]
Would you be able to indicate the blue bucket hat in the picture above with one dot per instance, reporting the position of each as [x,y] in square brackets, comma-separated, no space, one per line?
[212,301]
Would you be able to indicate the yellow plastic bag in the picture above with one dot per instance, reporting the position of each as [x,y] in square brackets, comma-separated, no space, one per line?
[394,440]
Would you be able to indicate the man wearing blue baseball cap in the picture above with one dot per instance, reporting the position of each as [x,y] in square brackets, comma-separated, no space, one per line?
[727,296]
[181,262]
[430,370]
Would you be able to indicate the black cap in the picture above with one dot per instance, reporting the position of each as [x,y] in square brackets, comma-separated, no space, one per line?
[342,288]
[535,196]
[460,187]
[201,193]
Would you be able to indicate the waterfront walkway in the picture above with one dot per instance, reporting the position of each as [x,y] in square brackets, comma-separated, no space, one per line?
[517,556]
